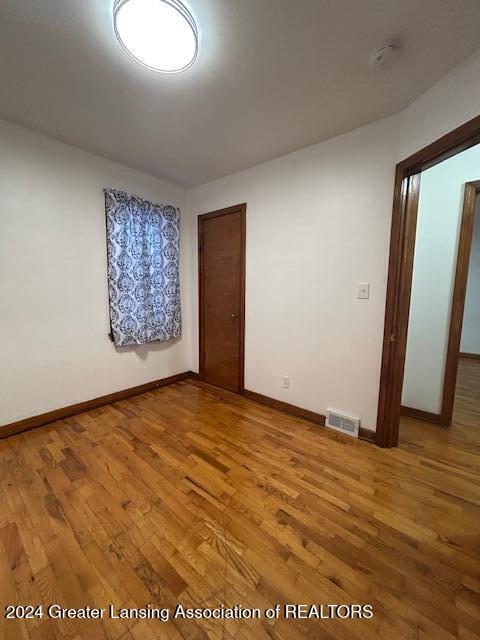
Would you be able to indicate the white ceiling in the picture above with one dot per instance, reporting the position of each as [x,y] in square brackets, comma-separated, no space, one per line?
[272,76]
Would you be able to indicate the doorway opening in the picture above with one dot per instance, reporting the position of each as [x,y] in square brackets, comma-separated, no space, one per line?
[407,197]
[440,321]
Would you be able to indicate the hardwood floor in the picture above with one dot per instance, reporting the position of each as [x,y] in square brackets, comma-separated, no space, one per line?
[195,495]
[463,436]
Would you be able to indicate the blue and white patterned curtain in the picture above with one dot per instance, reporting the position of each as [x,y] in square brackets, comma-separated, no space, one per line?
[143,278]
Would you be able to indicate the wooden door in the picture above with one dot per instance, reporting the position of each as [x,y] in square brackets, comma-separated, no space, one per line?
[221,246]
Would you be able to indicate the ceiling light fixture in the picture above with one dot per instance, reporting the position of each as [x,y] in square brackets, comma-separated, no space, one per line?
[160,34]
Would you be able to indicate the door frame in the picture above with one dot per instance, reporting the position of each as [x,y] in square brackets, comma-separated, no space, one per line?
[242,209]
[400,271]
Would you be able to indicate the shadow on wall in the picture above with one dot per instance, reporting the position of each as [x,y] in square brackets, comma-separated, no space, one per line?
[142,351]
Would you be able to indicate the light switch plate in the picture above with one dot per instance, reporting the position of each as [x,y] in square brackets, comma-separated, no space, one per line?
[363,290]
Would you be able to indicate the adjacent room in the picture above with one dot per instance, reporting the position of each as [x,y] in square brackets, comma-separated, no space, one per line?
[240,308]
[442,367]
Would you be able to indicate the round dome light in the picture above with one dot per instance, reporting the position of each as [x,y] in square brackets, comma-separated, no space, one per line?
[160,34]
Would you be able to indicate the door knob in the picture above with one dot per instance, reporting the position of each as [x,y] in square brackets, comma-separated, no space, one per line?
[234,315]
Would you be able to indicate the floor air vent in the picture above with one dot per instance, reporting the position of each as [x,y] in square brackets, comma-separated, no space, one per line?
[341,422]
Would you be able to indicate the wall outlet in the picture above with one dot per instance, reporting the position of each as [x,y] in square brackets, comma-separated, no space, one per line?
[286,382]
[363,290]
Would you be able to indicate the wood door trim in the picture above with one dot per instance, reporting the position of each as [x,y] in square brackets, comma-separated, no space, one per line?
[238,208]
[242,209]
[402,244]
[458,300]
[402,248]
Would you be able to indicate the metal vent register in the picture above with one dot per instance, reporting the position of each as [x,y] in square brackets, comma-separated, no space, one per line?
[342,422]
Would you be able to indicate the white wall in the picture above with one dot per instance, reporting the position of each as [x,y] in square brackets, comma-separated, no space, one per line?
[448,104]
[318,223]
[471,317]
[53,281]
[438,228]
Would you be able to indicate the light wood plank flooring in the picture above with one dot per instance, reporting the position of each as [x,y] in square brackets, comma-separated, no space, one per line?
[194,495]
[463,436]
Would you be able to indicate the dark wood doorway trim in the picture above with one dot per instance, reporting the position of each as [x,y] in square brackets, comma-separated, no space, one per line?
[400,269]
[242,209]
